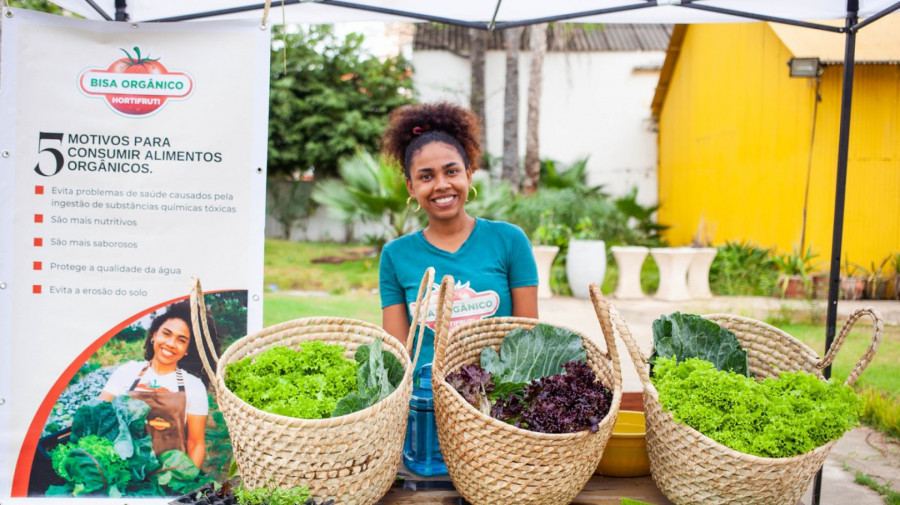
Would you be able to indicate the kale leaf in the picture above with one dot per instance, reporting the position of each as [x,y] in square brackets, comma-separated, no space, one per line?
[526,355]
[377,375]
[691,336]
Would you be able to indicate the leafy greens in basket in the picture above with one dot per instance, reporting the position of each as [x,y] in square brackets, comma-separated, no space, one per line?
[526,355]
[691,336]
[539,381]
[316,381]
[772,418]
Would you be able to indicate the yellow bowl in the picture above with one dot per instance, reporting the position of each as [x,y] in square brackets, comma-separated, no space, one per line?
[626,452]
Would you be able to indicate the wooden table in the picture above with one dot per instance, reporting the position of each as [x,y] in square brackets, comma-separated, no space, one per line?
[598,491]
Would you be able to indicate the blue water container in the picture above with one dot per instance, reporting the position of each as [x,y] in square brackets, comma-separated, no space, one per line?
[421,449]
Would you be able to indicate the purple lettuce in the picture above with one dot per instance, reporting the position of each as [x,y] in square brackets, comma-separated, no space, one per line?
[474,384]
[561,403]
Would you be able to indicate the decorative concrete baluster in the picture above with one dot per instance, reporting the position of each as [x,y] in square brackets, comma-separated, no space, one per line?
[629,260]
[543,257]
[673,263]
[698,272]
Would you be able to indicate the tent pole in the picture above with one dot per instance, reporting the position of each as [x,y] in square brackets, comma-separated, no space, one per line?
[840,187]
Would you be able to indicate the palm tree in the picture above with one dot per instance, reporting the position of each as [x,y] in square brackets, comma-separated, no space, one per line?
[368,191]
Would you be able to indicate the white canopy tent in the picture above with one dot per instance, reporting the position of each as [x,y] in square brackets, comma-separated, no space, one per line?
[497,15]
[480,13]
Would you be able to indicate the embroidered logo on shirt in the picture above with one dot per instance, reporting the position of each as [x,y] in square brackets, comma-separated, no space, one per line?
[159,423]
[468,305]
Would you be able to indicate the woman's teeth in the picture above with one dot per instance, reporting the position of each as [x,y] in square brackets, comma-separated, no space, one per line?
[444,200]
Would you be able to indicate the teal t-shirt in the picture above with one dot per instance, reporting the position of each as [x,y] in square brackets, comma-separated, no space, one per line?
[495,259]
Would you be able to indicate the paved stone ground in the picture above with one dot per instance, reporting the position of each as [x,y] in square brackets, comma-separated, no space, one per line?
[862,449]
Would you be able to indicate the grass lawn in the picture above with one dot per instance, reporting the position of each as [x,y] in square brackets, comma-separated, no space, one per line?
[278,308]
[883,373]
[289,266]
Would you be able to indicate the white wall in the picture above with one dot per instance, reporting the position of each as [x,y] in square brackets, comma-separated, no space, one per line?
[592,104]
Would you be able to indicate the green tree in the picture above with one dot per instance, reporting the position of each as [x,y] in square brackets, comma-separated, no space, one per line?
[332,99]
[37,5]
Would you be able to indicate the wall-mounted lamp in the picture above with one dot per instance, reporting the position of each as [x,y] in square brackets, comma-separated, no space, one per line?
[805,67]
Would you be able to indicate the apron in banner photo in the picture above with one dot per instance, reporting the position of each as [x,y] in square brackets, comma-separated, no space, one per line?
[133,159]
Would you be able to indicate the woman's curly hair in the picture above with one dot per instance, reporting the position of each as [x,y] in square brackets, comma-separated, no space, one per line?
[426,122]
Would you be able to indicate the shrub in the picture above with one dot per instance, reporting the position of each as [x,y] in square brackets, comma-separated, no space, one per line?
[743,269]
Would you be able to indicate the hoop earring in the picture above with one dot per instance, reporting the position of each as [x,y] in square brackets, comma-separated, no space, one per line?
[474,190]
[418,205]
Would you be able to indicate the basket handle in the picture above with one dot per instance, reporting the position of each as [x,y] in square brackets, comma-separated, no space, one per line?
[442,319]
[423,300]
[201,330]
[877,331]
[602,308]
[607,318]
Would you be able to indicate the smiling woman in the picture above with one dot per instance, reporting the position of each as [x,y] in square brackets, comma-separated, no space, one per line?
[170,382]
[438,148]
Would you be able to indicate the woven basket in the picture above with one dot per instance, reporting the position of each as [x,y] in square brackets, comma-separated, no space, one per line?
[494,463]
[352,459]
[691,468]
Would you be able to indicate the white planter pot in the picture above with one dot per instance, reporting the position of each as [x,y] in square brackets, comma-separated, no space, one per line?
[585,264]
[544,256]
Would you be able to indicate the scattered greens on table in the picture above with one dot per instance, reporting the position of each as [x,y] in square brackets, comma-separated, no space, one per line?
[691,336]
[212,493]
[316,381]
[772,418]
[110,453]
[539,381]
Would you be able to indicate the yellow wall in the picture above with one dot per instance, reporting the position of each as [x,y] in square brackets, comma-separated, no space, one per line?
[734,144]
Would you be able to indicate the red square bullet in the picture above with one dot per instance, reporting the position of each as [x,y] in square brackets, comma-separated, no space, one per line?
[38,242]
[38,265]
[39,190]
[36,289]
[38,218]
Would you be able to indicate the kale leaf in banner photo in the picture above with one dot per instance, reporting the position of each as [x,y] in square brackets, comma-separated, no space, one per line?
[691,336]
[529,355]
[178,472]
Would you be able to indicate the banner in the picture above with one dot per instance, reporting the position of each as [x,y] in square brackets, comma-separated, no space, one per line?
[132,158]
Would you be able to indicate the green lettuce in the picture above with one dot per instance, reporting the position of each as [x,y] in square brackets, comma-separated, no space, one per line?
[527,355]
[773,418]
[306,384]
[90,464]
[686,336]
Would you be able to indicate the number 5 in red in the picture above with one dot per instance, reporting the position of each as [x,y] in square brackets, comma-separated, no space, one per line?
[57,155]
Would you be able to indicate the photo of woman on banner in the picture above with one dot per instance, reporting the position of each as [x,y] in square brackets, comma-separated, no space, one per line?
[171,380]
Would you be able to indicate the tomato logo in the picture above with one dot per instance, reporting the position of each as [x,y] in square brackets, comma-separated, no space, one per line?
[136,85]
